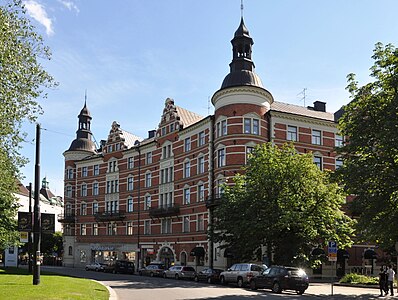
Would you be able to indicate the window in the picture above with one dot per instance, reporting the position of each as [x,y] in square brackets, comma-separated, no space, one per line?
[112,229]
[166,225]
[95,207]
[187,196]
[200,223]
[163,131]
[130,204]
[130,162]
[187,169]
[109,148]
[67,229]
[83,229]
[249,151]
[84,172]
[318,161]
[83,209]
[117,147]
[251,126]
[111,206]
[147,227]
[316,137]
[339,163]
[149,158]
[96,170]
[147,203]
[171,127]
[95,228]
[148,179]
[129,183]
[68,210]
[221,158]
[201,138]
[187,144]
[185,227]
[291,133]
[222,128]
[95,189]
[70,252]
[201,164]
[112,186]
[112,166]
[129,228]
[338,142]
[69,174]
[219,186]
[201,192]
[83,191]
[69,191]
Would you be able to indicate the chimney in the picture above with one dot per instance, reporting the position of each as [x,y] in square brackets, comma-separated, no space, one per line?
[151,133]
[320,106]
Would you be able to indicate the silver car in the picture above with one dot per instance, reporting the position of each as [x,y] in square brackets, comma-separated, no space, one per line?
[178,272]
[240,274]
[95,267]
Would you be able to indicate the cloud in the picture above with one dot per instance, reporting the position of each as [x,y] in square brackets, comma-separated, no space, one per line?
[37,12]
[69,5]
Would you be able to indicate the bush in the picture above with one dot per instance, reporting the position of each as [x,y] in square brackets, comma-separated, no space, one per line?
[354,278]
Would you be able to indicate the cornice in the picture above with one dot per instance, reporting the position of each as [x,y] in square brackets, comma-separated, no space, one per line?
[243,89]
[305,119]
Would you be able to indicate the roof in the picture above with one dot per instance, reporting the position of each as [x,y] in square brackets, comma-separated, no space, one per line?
[188,117]
[129,138]
[302,111]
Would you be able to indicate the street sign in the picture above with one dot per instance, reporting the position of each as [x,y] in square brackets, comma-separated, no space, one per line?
[332,251]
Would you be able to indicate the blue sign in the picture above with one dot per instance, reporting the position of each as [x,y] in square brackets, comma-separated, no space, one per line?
[332,247]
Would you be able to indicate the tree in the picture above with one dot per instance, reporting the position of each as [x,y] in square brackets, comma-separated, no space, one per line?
[22,79]
[370,155]
[284,202]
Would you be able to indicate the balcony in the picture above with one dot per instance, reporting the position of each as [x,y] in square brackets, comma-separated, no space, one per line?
[162,211]
[212,202]
[106,216]
[68,218]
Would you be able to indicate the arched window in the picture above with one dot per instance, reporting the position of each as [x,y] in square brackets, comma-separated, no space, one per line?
[70,250]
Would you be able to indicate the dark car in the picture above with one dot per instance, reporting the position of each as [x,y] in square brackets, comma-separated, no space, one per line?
[152,270]
[280,278]
[121,266]
[209,275]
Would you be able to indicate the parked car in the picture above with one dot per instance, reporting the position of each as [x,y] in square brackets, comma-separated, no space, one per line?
[178,272]
[209,275]
[241,274]
[121,266]
[152,270]
[95,267]
[280,278]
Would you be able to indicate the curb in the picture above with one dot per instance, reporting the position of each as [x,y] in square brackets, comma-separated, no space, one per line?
[112,293]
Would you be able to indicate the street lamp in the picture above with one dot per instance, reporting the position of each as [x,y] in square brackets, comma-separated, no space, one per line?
[138,144]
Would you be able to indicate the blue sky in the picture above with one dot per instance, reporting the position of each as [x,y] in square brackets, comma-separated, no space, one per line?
[131,55]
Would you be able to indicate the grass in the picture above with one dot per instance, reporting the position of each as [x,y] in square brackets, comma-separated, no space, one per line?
[17,284]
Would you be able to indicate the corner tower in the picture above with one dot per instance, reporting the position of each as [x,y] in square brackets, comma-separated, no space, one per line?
[240,106]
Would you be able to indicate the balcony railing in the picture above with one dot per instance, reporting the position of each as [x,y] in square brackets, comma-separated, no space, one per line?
[168,210]
[213,201]
[68,218]
[117,215]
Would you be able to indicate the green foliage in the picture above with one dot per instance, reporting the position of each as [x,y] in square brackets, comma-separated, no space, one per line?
[283,202]
[52,243]
[370,156]
[354,278]
[22,79]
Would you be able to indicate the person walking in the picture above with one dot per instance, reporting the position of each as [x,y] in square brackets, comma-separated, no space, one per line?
[390,278]
[383,281]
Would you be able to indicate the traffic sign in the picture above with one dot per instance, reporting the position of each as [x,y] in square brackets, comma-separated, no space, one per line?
[332,251]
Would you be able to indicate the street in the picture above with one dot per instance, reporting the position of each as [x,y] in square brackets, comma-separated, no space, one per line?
[135,287]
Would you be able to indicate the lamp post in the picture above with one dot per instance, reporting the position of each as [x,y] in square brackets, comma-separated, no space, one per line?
[36,214]
[138,144]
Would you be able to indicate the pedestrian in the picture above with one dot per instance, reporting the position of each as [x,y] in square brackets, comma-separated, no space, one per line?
[383,281]
[390,278]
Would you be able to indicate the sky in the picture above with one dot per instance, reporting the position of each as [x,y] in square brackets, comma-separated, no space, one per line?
[131,55]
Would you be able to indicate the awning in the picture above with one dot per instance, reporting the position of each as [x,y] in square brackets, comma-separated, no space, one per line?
[342,254]
[229,253]
[369,254]
[317,251]
[198,251]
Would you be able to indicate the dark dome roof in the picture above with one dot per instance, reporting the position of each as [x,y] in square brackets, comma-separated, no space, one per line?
[242,29]
[242,77]
[84,111]
[82,144]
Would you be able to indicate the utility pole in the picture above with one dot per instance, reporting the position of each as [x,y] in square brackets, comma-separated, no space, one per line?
[36,214]
[30,230]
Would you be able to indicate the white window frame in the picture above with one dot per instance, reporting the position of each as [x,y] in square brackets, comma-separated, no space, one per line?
[130,163]
[201,138]
[187,144]
[221,157]
[316,137]
[83,191]
[338,140]
[201,164]
[187,169]
[291,134]
[186,222]
[201,192]
[130,183]
[96,170]
[187,195]
[95,188]
[130,204]
[318,161]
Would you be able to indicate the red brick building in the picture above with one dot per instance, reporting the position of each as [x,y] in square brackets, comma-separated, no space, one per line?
[154,196]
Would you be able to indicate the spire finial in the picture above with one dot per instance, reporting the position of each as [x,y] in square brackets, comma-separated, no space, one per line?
[241,9]
[85,97]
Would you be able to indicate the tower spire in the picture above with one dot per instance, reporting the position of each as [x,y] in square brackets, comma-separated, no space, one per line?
[241,9]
